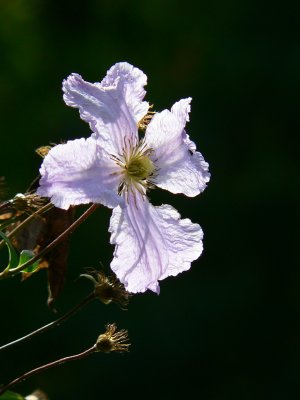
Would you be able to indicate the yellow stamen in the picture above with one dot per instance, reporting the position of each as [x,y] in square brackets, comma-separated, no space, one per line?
[140,167]
[137,168]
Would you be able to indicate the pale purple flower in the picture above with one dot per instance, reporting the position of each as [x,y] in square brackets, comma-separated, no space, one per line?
[115,167]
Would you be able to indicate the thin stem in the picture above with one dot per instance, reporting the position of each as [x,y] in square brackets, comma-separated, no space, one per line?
[47,366]
[43,209]
[82,218]
[52,324]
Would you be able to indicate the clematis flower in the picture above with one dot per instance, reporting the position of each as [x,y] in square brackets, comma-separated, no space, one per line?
[117,168]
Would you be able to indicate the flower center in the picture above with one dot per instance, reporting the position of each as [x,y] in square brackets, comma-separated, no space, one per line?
[137,168]
[140,167]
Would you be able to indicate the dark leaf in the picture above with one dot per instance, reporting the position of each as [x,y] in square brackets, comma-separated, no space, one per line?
[57,221]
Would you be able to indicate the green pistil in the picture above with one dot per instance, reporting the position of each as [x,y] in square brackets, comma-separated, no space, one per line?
[140,168]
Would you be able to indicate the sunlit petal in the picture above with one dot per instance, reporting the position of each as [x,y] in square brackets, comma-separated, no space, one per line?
[112,107]
[79,172]
[151,244]
[181,168]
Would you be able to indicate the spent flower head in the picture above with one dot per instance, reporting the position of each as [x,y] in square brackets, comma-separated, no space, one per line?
[108,288]
[28,202]
[113,340]
[116,168]
[20,204]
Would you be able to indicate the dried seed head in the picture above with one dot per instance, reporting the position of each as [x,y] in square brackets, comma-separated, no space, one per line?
[43,150]
[108,288]
[28,202]
[144,122]
[113,340]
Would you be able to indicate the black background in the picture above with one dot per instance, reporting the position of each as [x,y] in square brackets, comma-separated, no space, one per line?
[229,327]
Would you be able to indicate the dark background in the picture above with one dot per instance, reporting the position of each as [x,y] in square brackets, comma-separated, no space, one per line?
[229,327]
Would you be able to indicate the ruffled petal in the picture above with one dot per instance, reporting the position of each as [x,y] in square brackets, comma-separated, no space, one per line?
[79,172]
[133,81]
[151,244]
[113,107]
[181,168]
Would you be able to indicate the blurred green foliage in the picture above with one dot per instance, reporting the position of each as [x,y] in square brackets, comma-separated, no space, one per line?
[229,327]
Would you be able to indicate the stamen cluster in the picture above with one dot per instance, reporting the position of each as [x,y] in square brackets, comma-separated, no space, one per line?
[137,168]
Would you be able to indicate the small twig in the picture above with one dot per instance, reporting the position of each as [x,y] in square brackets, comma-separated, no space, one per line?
[47,366]
[52,324]
[82,218]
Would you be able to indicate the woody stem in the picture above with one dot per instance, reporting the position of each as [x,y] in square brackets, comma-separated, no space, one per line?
[42,368]
[52,324]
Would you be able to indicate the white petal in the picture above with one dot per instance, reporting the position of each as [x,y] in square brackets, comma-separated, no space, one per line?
[79,172]
[151,244]
[181,168]
[112,107]
[133,81]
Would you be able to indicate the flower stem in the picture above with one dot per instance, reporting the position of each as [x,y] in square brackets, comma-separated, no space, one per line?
[82,218]
[52,324]
[47,366]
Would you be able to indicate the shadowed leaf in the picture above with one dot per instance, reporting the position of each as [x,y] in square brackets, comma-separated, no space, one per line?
[57,221]
[37,235]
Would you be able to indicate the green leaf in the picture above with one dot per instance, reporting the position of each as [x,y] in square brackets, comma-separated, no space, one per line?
[11,396]
[25,256]
[16,261]
[13,256]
